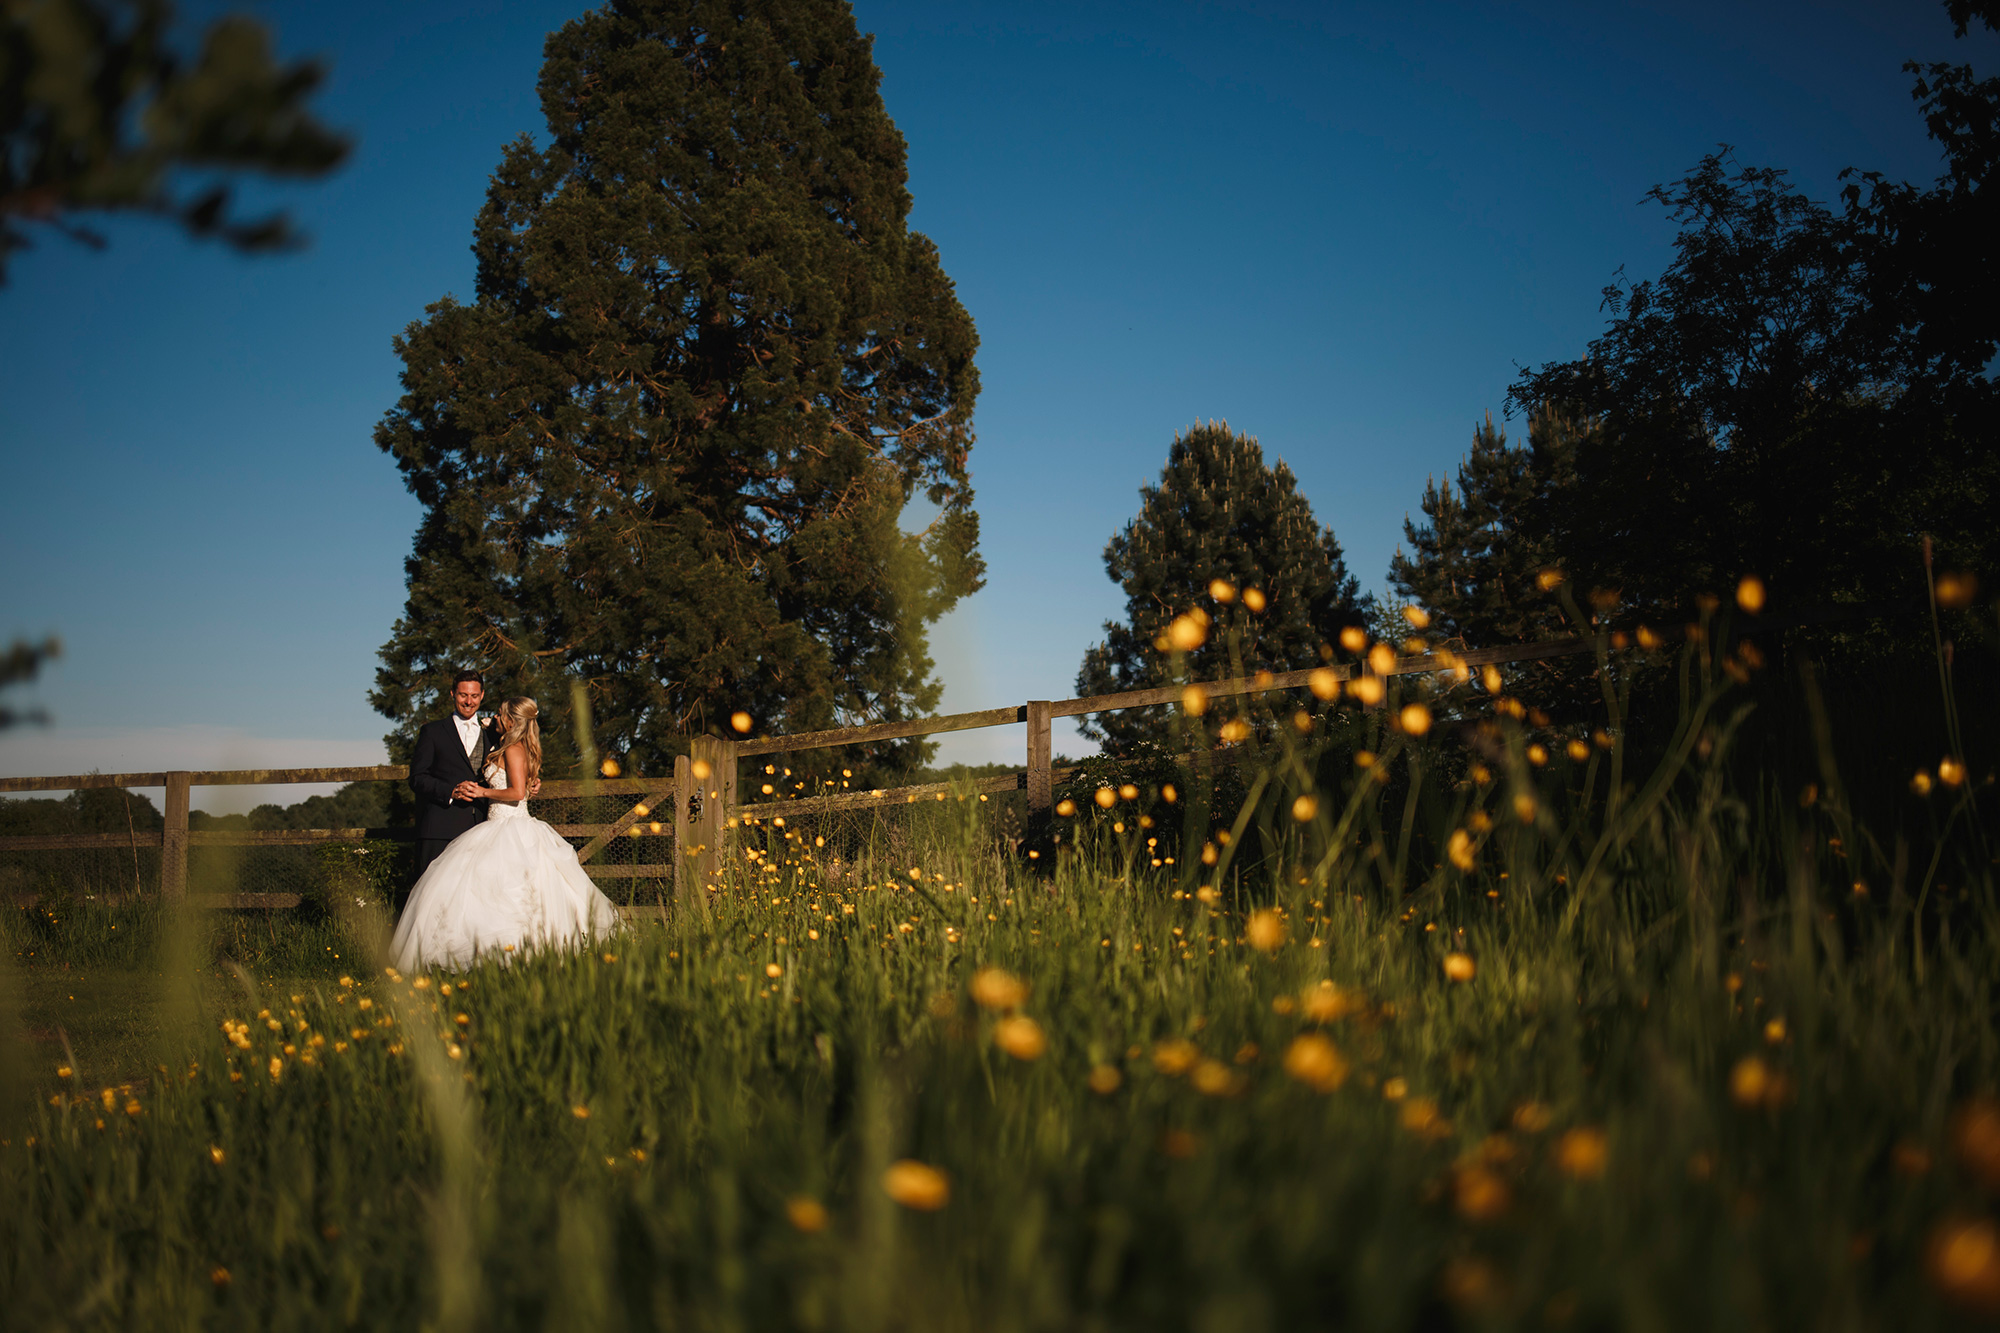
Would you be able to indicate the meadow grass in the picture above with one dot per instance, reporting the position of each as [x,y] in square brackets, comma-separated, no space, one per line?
[1629,1051]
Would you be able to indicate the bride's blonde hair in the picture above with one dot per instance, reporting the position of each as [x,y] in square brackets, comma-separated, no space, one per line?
[517,718]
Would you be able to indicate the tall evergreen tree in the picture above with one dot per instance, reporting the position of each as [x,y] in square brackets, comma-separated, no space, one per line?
[666,449]
[1474,561]
[1219,512]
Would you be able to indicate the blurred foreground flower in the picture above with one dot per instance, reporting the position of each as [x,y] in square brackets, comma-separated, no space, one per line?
[1315,1062]
[807,1215]
[1212,1078]
[1956,591]
[1021,1037]
[1265,930]
[1581,1153]
[1479,1194]
[1327,1003]
[1105,1079]
[1175,1056]
[1975,1140]
[995,988]
[1459,966]
[915,1185]
[1963,1259]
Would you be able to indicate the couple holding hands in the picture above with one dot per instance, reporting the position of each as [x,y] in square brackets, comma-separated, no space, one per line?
[490,878]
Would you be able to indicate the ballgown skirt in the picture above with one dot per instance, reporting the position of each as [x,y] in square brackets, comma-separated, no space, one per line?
[503,887]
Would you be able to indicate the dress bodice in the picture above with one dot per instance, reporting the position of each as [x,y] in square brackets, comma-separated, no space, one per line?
[496,776]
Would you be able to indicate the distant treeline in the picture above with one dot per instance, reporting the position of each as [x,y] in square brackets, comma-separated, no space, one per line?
[113,810]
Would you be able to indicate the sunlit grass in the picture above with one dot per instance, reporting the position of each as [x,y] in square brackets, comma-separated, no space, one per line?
[1500,1039]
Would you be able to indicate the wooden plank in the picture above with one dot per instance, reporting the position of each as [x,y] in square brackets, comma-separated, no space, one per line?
[863,800]
[683,820]
[881,731]
[280,777]
[655,870]
[643,810]
[295,837]
[84,782]
[566,787]
[174,840]
[706,831]
[251,902]
[1040,781]
[66,842]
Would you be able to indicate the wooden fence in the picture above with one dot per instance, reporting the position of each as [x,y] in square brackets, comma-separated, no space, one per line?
[701,794]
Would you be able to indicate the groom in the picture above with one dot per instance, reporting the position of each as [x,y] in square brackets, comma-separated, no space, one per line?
[451,754]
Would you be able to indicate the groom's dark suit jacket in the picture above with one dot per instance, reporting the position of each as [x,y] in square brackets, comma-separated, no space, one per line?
[440,764]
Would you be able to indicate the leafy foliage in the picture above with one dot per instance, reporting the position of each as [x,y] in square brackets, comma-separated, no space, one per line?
[98,112]
[1219,512]
[23,662]
[666,449]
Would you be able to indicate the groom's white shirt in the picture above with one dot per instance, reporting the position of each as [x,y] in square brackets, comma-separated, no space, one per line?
[468,732]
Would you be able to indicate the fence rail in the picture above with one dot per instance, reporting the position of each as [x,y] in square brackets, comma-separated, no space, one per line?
[700,811]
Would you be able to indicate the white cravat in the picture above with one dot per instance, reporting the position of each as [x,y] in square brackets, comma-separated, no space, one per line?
[468,732]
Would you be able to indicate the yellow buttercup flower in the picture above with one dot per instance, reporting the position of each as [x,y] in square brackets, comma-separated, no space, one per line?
[1315,1062]
[1020,1036]
[1581,1153]
[994,988]
[916,1185]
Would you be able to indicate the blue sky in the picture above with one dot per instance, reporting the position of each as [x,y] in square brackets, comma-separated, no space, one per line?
[1340,228]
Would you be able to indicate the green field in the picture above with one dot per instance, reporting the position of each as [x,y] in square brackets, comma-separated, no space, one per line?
[1634,1050]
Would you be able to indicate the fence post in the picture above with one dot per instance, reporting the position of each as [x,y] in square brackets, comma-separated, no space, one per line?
[718,792]
[1040,780]
[174,840]
[684,826]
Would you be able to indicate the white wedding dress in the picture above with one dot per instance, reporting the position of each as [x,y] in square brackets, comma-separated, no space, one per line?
[503,887]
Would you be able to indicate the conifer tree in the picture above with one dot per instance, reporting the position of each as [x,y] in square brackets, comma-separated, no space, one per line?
[1221,513]
[666,448]
[1474,561]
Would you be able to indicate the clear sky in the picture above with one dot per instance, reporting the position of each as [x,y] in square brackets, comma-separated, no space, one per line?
[1339,227]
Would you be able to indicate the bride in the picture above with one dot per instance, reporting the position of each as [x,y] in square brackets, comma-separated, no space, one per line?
[509,883]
